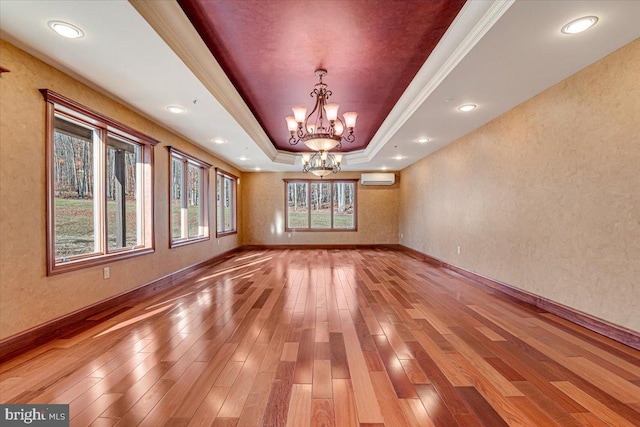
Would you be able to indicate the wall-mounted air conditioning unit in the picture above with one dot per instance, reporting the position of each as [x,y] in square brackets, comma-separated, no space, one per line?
[377,178]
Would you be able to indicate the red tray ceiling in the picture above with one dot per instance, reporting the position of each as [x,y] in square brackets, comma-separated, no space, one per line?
[270,49]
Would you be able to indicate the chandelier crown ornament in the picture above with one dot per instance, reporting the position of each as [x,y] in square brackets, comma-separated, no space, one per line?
[321,129]
[321,163]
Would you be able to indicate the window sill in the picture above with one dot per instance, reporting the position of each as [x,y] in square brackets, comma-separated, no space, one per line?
[178,243]
[96,260]
[226,233]
[316,230]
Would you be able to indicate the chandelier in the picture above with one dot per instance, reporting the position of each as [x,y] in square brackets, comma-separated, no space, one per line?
[321,163]
[322,129]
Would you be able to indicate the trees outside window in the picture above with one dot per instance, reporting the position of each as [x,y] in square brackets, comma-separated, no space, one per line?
[99,189]
[189,206]
[226,190]
[327,205]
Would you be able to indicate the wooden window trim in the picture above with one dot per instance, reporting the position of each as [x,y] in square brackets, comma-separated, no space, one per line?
[58,104]
[235,179]
[331,229]
[204,166]
[73,108]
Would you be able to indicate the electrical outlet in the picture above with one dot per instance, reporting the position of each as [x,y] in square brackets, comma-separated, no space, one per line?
[401,235]
[458,250]
[218,242]
[289,235]
[105,272]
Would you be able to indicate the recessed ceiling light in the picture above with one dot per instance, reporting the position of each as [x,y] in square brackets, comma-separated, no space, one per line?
[66,30]
[219,141]
[423,140]
[384,168]
[243,158]
[257,169]
[467,107]
[175,109]
[579,25]
[398,157]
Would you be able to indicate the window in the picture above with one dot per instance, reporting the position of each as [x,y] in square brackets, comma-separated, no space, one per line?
[99,197]
[327,205]
[189,207]
[225,203]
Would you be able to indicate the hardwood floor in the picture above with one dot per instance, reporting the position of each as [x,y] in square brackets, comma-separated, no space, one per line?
[329,338]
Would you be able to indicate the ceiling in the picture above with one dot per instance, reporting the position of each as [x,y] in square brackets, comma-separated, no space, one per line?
[148,54]
[371,52]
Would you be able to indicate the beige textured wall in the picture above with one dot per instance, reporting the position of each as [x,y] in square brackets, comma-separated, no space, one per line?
[27,296]
[263,195]
[546,197]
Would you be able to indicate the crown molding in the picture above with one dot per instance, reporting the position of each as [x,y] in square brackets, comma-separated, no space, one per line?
[472,23]
[172,25]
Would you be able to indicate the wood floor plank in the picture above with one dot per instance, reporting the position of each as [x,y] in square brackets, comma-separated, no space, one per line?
[93,411]
[416,414]
[289,352]
[413,371]
[481,407]
[548,404]
[436,409]
[322,414]
[209,407]
[146,403]
[209,377]
[344,403]
[299,337]
[489,333]
[595,407]
[241,388]
[300,407]
[277,407]
[322,387]
[257,400]
[401,384]
[366,403]
[589,420]
[389,404]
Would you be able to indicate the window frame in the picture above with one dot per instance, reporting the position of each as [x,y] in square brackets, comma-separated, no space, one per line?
[59,105]
[187,160]
[221,173]
[308,182]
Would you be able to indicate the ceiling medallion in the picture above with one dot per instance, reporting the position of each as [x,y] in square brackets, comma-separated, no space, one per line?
[322,129]
[321,163]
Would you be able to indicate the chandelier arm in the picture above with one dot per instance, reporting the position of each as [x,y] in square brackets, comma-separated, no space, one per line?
[320,103]
[332,130]
[315,108]
[350,137]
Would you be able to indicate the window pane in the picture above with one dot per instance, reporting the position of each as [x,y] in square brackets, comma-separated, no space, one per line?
[228,205]
[297,209]
[100,182]
[219,188]
[343,205]
[122,193]
[193,201]
[320,205]
[73,186]
[176,198]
